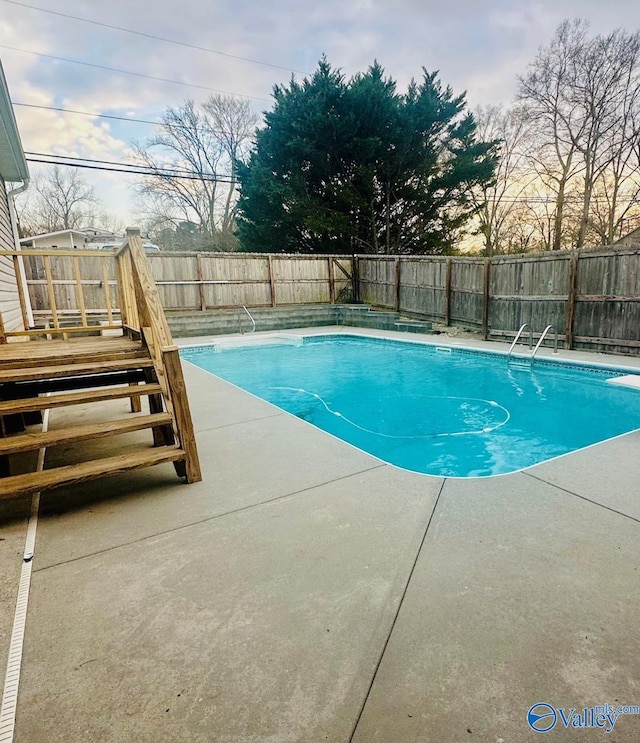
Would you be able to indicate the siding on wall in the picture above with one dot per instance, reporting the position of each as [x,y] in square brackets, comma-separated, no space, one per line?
[9,298]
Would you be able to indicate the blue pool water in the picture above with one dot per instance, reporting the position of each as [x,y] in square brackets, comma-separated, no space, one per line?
[414,405]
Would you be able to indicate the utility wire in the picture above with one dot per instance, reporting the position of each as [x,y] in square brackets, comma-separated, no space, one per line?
[155,38]
[115,118]
[128,72]
[132,170]
[135,169]
[177,171]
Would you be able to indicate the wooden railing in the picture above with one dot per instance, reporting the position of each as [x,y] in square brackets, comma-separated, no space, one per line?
[69,310]
[143,314]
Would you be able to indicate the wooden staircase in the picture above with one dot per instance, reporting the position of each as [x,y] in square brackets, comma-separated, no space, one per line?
[142,364]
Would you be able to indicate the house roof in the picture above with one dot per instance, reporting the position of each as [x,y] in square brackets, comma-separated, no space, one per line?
[58,233]
[13,166]
[633,236]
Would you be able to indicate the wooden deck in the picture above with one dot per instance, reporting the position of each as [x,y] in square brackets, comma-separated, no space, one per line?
[38,375]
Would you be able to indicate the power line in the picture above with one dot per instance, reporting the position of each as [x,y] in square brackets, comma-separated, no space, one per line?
[115,118]
[155,38]
[129,168]
[95,115]
[178,171]
[134,169]
[128,72]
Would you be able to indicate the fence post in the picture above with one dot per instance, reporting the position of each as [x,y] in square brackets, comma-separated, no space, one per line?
[447,293]
[355,277]
[272,283]
[571,299]
[200,277]
[485,299]
[398,279]
[332,282]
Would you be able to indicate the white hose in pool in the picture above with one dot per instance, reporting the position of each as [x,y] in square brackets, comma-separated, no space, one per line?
[488,429]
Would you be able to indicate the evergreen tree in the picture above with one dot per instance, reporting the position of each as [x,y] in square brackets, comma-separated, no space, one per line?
[353,166]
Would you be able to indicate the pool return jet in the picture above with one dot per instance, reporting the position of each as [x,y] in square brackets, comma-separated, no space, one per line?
[526,360]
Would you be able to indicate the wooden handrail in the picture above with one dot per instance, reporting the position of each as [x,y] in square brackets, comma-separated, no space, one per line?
[142,311]
[149,310]
[60,253]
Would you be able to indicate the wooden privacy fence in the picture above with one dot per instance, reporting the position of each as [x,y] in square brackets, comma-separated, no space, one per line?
[591,297]
[189,281]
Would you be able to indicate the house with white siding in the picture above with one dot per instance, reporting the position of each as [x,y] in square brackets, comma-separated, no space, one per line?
[62,239]
[14,178]
[87,238]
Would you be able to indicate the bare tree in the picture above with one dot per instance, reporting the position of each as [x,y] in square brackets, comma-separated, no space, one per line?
[61,199]
[234,123]
[192,161]
[616,189]
[546,93]
[607,92]
[581,93]
[498,202]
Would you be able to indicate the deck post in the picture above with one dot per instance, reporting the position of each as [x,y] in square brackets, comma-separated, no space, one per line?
[18,268]
[184,423]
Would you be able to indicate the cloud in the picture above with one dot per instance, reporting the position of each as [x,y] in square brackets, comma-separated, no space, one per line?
[477,47]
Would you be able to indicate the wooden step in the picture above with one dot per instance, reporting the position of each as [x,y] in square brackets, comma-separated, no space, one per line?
[34,441]
[58,352]
[71,474]
[85,358]
[29,404]
[71,370]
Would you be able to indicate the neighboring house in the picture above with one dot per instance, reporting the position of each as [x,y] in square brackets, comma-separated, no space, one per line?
[87,238]
[13,170]
[63,239]
[631,238]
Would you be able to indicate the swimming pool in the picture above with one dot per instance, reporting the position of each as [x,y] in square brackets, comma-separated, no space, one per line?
[430,409]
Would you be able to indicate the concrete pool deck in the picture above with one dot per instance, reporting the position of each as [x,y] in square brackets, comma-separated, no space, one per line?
[306,591]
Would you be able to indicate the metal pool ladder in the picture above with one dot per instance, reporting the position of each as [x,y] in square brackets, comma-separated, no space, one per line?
[530,357]
[253,322]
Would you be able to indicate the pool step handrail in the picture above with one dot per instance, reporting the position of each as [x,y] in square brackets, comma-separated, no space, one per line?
[517,338]
[540,339]
[524,358]
[253,322]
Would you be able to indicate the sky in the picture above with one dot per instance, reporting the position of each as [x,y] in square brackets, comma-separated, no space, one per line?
[477,47]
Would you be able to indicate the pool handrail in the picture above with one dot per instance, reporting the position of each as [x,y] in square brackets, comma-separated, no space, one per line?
[542,337]
[517,338]
[253,322]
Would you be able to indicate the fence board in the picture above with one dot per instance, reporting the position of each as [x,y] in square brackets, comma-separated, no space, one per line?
[423,286]
[377,281]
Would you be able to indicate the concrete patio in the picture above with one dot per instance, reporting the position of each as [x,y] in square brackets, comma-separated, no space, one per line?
[306,591]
